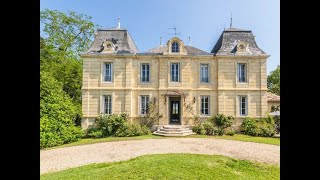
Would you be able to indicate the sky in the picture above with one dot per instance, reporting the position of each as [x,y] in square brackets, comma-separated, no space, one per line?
[202,20]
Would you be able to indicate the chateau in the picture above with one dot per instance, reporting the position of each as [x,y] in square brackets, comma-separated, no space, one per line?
[179,80]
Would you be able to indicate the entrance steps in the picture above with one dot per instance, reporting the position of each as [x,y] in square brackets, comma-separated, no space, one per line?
[173,130]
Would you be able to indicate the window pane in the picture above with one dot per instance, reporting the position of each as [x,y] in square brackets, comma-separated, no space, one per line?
[242,72]
[174,47]
[204,73]
[243,105]
[107,104]
[175,72]
[108,72]
[145,73]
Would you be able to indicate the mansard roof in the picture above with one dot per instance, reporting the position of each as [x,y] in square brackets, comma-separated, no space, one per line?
[121,39]
[229,39]
[233,41]
[190,50]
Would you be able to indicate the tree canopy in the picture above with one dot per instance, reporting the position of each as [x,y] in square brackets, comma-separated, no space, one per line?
[69,33]
[273,81]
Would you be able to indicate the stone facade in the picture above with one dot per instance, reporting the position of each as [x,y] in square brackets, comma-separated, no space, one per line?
[126,88]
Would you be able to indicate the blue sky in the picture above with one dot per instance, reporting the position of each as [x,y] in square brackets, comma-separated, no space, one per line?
[202,20]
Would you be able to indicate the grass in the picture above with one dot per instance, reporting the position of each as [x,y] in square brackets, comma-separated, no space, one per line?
[242,137]
[171,166]
[237,137]
[107,139]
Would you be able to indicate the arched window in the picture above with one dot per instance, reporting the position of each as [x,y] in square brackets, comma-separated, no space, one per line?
[174,47]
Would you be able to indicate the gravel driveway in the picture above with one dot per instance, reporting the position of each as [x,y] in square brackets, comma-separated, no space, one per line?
[64,158]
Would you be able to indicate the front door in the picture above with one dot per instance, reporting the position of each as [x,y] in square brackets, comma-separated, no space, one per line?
[175,112]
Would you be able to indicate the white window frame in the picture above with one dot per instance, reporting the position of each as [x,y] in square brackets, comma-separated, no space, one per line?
[146,100]
[208,71]
[141,73]
[203,107]
[105,71]
[107,106]
[175,70]
[245,72]
[241,106]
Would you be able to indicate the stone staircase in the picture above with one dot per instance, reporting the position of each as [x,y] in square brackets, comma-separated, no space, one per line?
[173,130]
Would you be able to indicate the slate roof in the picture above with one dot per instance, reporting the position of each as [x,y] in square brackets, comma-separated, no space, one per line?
[120,38]
[272,97]
[227,43]
[190,50]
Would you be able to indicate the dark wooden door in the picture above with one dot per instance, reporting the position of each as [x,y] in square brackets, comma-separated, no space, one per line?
[175,112]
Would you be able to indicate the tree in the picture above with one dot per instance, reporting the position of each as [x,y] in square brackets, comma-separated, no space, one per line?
[62,38]
[70,33]
[57,114]
[273,81]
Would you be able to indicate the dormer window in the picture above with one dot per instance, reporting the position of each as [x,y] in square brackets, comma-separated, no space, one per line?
[175,47]
[108,47]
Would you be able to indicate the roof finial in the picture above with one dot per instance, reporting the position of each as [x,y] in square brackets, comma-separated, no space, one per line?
[118,22]
[189,41]
[231,21]
[160,41]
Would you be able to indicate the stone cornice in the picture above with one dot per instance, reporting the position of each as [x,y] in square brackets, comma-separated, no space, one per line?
[180,56]
[173,88]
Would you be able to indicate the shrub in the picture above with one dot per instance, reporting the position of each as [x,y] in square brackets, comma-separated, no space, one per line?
[259,127]
[205,128]
[203,131]
[116,125]
[198,128]
[130,129]
[95,133]
[109,124]
[57,114]
[230,133]
[208,127]
[222,122]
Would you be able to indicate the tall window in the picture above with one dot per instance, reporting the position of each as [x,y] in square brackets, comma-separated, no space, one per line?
[204,73]
[205,105]
[145,72]
[175,47]
[144,104]
[242,72]
[243,105]
[107,104]
[175,72]
[108,72]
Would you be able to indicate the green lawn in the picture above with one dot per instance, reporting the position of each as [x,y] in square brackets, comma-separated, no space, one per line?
[238,137]
[171,166]
[242,137]
[107,139]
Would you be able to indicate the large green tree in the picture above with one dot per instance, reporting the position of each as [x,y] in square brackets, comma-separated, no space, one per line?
[274,81]
[63,36]
[70,33]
